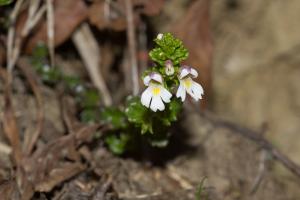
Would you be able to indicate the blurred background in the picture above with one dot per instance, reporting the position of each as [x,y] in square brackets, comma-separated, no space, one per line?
[247,53]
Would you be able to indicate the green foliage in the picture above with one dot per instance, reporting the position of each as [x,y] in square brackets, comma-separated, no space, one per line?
[87,98]
[168,48]
[117,144]
[40,52]
[5,2]
[150,121]
[135,120]
[72,82]
[200,190]
[50,75]
[134,124]
[138,121]
[115,117]
[139,115]
[89,115]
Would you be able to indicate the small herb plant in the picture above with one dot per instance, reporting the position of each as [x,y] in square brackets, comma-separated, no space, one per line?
[151,115]
[200,192]
[144,118]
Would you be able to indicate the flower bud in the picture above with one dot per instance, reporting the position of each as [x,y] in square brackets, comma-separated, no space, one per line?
[160,36]
[169,68]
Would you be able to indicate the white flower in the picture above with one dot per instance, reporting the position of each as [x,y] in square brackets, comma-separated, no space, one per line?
[160,36]
[169,68]
[155,94]
[187,85]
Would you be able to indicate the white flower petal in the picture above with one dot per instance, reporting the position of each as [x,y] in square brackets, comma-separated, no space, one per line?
[157,77]
[157,104]
[146,97]
[197,90]
[147,80]
[181,92]
[194,73]
[165,95]
[183,72]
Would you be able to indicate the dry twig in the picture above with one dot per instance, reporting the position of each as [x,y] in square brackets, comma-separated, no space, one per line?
[255,137]
[89,50]
[14,43]
[132,46]
[173,173]
[143,51]
[261,172]
[9,121]
[29,74]
[50,30]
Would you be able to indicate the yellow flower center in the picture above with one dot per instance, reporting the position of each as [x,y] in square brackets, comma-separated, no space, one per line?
[187,83]
[155,91]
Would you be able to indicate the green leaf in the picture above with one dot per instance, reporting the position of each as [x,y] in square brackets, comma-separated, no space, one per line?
[40,51]
[135,111]
[200,190]
[161,135]
[147,127]
[139,115]
[174,108]
[114,116]
[90,98]
[89,115]
[5,2]
[72,81]
[168,48]
[117,144]
[50,74]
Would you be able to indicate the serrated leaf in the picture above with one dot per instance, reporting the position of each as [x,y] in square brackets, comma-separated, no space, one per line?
[117,144]
[90,98]
[89,115]
[168,48]
[135,111]
[40,51]
[147,127]
[114,116]
[174,108]
[72,81]
[139,115]
[51,75]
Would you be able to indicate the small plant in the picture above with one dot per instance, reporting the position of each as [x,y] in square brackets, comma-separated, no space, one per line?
[86,98]
[144,118]
[151,115]
[200,191]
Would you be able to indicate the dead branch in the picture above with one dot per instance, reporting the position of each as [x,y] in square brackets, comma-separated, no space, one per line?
[14,43]
[132,46]
[11,33]
[262,169]
[89,50]
[50,30]
[143,51]
[29,74]
[255,137]
[9,121]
